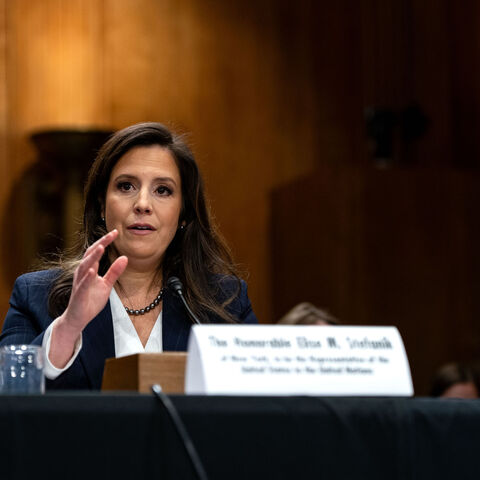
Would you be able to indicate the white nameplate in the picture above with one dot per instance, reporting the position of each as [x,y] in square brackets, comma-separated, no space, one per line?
[297,360]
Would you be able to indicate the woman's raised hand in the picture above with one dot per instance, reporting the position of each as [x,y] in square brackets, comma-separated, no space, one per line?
[89,296]
[90,292]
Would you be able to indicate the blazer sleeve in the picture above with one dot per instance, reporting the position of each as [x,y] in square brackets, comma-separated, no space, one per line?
[27,320]
[24,323]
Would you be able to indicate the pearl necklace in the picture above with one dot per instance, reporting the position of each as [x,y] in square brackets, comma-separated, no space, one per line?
[146,309]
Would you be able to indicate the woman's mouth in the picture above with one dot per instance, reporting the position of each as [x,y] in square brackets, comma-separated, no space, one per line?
[141,228]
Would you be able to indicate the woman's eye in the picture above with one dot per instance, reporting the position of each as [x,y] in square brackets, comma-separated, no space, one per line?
[124,186]
[164,190]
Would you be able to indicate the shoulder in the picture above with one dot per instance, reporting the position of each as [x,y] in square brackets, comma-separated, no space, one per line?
[37,279]
[227,285]
[34,285]
[234,288]
[30,293]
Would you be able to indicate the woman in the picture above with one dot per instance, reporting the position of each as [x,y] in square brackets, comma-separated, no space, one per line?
[145,220]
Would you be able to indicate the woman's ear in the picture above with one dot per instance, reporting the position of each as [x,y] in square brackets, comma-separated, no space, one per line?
[102,210]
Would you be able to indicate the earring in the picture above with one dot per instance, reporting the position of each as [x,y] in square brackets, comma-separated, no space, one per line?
[182,227]
[103,219]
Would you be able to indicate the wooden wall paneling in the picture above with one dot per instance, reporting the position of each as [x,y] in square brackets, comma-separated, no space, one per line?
[315,241]
[430,74]
[395,247]
[464,54]
[406,61]
[223,72]
[54,78]
[337,69]
[409,258]
[3,92]
[385,52]
[463,307]
[444,294]
[55,72]
[4,157]
[143,55]
[252,134]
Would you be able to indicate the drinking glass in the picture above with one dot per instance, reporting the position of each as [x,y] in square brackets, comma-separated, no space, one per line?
[21,369]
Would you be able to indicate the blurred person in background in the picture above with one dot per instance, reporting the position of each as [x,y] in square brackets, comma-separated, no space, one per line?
[455,380]
[307,314]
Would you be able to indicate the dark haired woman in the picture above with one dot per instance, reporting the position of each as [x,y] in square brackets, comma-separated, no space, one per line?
[145,220]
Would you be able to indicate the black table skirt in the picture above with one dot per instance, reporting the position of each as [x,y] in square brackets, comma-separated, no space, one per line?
[90,436]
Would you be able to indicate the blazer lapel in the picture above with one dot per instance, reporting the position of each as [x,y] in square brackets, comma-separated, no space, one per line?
[98,345]
[175,323]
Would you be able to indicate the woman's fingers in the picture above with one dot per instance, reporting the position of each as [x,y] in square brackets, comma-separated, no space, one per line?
[81,288]
[104,241]
[94,253]
[90,291]
[87,285]
[89,261]
[115,270]
[80,308]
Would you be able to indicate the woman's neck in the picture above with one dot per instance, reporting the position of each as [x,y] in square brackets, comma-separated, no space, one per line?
[139,281]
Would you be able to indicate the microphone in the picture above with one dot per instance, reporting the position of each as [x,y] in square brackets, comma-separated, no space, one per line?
[174,284]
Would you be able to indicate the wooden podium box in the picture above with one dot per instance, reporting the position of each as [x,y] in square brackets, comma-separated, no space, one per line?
[139,372]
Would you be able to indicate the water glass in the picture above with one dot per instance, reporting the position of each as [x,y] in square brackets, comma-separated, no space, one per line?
[21,369]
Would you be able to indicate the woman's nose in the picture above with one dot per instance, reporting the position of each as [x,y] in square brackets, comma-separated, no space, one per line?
[142,203]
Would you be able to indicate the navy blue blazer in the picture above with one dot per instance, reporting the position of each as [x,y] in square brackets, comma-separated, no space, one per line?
[28,318]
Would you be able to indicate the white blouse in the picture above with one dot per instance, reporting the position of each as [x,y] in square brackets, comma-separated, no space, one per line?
[127,341]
